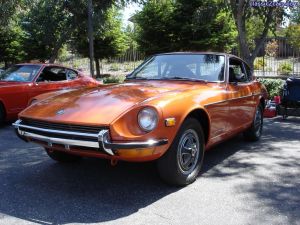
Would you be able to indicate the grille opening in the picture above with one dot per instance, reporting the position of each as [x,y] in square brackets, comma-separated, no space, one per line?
[63,127]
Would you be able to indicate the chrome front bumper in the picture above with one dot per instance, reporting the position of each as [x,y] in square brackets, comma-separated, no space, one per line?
[99,141]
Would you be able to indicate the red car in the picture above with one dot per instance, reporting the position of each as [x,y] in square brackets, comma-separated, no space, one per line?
[21,82]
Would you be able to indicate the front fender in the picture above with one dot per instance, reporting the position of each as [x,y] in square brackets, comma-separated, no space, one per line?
[172,105]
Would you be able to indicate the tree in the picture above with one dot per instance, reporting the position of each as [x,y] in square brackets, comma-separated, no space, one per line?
[11,45]
[154,27]
[109,38]
[243,12]
[295,14]
[203,25]
[185,25]
[11,34]
[293,30]
[48,26]
[293,35]
[8,9]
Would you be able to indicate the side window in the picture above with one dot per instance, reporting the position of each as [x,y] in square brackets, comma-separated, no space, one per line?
[50,74]
[237,72]
[248,71]
[71,74]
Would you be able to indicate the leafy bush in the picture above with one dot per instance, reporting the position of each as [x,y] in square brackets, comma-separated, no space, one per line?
[114,79]
[114,67]
[259,63]
[285,68]
[272,48]
[273,86]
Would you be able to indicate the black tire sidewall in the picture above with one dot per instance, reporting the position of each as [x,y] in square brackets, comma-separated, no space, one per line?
[251,134]
[168,164]
[2,114]
[260,108]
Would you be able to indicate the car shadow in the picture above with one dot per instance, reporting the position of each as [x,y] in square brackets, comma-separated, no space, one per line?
[36,189]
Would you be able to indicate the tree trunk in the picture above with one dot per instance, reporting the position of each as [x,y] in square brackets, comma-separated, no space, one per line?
[54,54]
[57,47]
[239,14]
[97,67]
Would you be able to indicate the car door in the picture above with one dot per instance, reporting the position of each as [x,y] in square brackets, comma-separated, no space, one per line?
[213,70]
[241,98]
[52,78]
[15,91]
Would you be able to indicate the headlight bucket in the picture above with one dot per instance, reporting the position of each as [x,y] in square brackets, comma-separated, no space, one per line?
[147,119]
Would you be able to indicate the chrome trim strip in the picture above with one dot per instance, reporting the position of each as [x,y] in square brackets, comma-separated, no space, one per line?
[103,136]
[108,145]
[62,141]
[227,100]
[103,139]
[17,125]
[216,103]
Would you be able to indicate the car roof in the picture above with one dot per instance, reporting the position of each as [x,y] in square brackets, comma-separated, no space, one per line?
[47,64]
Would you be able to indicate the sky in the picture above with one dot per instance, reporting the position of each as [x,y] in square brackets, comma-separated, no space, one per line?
[130,11]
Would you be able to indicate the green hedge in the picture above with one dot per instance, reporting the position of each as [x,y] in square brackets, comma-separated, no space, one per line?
[285,68]
[274,86]
[114,79]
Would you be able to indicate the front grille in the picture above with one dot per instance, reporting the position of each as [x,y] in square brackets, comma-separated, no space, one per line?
[58,135]
[62,135]
[62,127]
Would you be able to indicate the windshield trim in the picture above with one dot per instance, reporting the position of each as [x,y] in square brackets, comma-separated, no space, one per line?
[39,69]
[138,69]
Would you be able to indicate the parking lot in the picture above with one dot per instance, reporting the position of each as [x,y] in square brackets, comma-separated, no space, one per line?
[240,183]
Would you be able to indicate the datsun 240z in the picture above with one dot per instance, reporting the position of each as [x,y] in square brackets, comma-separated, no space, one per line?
[171,109]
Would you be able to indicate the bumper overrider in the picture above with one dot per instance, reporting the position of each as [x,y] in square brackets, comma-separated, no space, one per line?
[99,141]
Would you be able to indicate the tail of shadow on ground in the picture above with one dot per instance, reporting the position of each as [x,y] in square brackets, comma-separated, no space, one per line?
[271,165]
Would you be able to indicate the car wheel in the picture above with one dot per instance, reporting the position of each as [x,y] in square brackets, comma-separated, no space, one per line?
[182,162]
[2,114]
[62,156]
[255,131]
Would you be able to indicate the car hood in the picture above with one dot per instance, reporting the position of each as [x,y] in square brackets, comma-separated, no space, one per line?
[100,105]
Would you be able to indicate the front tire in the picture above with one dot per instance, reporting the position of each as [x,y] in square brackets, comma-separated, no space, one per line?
[181,164]
[255,131]
[62,156]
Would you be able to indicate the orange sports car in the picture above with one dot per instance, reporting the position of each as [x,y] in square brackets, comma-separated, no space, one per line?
[171,109]
[20,83]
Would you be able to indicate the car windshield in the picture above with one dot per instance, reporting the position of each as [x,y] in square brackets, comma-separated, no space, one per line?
[207,67]
[20,73]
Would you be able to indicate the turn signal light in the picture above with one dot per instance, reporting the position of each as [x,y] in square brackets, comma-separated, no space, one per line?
[169,122]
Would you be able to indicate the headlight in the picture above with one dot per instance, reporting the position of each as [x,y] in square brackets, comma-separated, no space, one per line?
[147,119]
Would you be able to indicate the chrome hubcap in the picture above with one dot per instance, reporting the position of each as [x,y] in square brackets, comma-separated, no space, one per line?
[188,151]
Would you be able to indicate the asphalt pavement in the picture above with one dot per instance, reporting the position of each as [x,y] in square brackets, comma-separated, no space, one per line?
[240,183]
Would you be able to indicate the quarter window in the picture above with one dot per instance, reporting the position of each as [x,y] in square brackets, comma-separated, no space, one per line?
[249,73]
[50,74]
[71,74]
[237,71]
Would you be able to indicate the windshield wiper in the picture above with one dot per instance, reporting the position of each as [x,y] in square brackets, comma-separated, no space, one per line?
[182,78]
[136,78]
